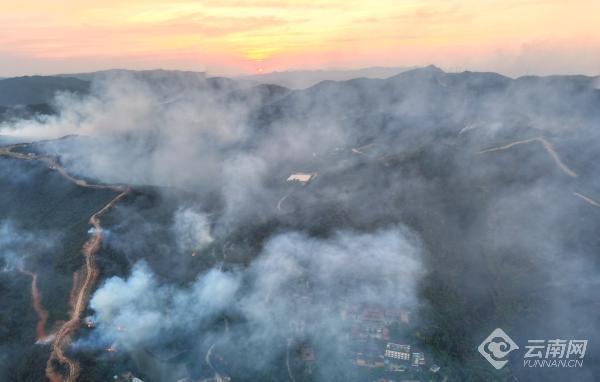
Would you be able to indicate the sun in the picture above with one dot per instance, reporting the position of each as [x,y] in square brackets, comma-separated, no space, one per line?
[260,70]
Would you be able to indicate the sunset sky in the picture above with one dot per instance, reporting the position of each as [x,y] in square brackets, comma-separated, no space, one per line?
[243,37]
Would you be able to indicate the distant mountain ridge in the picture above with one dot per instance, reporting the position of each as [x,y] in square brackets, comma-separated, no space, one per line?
[302,79]
[37,89]
[143,74]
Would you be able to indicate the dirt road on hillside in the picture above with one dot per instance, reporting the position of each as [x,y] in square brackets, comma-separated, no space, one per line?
[85,277]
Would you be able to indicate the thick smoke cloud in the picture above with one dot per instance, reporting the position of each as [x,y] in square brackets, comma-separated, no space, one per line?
[192,230]
[209,138]
[297,287]
[139,310]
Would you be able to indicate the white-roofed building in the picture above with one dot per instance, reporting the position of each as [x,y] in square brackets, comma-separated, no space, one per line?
[300,177]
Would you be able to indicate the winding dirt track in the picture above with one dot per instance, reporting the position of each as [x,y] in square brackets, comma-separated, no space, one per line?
[552,152]
[287,360]
[209,363]
[84,279]
[587,199]
[280,202]
[547,145]
[36,302]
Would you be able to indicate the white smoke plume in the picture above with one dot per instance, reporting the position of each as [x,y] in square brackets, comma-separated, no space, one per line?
[192,230]
[17,245]
[296,282]
[140,309]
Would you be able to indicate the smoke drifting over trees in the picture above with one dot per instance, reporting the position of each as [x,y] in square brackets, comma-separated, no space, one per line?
[408,209]
[295,281]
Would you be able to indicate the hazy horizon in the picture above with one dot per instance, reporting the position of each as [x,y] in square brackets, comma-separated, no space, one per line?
[232,38]
[325,70]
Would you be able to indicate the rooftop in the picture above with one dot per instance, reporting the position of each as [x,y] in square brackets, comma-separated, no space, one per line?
[300,177]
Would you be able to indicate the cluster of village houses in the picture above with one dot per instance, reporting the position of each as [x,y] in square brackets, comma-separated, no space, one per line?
[372,346]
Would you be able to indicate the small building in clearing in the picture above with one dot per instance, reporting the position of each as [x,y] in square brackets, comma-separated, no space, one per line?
[300,177]
[418,359]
